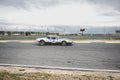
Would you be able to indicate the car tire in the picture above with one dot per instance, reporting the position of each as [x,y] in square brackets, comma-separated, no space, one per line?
[42,42]
[63,43]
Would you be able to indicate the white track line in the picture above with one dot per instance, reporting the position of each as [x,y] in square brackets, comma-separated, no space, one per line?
[62,68]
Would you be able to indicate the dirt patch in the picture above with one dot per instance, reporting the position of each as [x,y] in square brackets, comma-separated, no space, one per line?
[22,73]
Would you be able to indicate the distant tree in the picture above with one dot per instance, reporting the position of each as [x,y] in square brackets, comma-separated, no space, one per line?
[47,33]
[2,32]
[82,30]
[9,33]
[28,33]
[22,33]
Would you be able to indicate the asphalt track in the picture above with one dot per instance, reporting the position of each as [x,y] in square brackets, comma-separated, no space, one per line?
[95,55]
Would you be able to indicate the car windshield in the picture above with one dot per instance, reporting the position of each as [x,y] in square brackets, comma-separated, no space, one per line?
[48,37]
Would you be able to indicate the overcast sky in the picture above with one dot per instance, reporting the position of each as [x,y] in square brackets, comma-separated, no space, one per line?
[61,12]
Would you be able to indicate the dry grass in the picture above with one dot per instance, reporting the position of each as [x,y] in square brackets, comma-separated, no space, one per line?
[19,73]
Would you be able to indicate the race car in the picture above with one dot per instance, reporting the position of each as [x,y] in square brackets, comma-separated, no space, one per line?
[54,40]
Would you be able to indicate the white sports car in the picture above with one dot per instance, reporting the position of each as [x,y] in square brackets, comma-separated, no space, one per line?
[54,40]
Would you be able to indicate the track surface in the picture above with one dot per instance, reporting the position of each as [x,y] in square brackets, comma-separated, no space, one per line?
[83,55]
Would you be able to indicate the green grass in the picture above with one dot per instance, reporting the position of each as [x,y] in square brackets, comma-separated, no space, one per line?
[9,76]
[4,75]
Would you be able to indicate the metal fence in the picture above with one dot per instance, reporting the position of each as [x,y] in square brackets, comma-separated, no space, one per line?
[73,32]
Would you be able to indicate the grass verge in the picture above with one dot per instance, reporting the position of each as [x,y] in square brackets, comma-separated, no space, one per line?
[21,73]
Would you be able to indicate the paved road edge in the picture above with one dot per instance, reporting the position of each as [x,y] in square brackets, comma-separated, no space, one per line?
[61,68]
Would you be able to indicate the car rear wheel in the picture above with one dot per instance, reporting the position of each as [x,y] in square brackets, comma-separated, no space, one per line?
[63,43]
[42,42]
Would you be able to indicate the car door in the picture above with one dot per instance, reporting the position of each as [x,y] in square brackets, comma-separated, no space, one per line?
[53,39]
[49,39]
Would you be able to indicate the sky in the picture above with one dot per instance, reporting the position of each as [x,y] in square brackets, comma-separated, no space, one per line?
[60,12]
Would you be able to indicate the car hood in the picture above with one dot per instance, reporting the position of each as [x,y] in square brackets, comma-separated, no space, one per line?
[40,39]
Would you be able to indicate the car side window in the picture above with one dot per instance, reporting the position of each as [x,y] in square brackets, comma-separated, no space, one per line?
[53,38]
[48,37]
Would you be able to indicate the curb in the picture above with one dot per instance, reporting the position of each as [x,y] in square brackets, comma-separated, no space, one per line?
[61,68]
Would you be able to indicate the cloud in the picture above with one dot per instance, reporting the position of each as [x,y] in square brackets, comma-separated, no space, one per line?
[3,20]
[107,8]
[63,14]
[60,11]
[111,3]
[13,3]
[41,4]
[48,3]
[35,3]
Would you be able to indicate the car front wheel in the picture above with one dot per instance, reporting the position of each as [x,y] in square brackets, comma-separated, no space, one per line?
[42,42]
[63,43]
